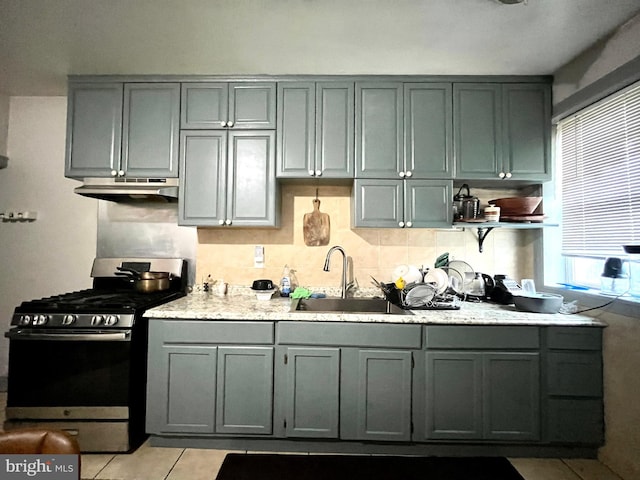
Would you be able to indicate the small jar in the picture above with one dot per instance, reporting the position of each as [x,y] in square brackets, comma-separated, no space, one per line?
[492,213]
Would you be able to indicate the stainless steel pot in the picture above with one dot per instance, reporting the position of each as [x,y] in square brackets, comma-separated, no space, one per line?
[147,282]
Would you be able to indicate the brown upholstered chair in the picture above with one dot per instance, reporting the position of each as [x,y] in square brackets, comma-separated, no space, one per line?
[38,441]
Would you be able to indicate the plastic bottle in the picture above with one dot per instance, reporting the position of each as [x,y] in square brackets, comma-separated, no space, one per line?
[285,283]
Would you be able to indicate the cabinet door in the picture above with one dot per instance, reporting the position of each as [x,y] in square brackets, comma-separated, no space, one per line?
[252,105]
[312,392]
[428,125]
[527,124]
[511,407]
[377,203]
[334,129]
[244,400]
[453,395]
[94,129]
[151,129]
[477,127]
[251,183]
[204,105]
[203,170]
[296,130]
[427,203]
[181,394]
[383,410]
[379,146]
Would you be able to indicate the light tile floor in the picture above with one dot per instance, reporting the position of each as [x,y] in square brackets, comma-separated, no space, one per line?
[158,463]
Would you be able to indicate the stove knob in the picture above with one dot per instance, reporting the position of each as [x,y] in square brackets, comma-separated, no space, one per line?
[97,320]
[40,319]
[25,320]
[111,320]
[69,319]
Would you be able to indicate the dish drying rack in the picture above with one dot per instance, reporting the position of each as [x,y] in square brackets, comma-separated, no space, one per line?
[419,296]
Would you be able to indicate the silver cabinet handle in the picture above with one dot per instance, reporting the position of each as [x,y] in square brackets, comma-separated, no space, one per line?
[311,173]
[229,124]
[501,175]
[227,221]
[409,224]
[409,173]
[508,175]
[318,173]
[401,224]
[221,222]
[223,124]
[114,173]
[401,174]
[121,173]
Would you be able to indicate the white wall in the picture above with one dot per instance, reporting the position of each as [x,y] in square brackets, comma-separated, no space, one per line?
[54,253]
[604,57]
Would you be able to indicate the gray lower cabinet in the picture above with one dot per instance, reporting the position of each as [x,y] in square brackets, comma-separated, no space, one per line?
[228,178]
[502,131]
[123,130]
[376,383]
[377,386]
[234,105]
[401,203]
[574,385]
[315,130]
[210,378]
[310,391]
[481,395]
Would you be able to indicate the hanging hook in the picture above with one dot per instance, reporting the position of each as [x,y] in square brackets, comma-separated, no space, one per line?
[316,193]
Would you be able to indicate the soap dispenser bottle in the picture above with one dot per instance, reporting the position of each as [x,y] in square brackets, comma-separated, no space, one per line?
[285,283]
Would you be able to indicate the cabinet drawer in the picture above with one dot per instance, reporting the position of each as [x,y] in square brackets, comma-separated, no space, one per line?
[575,338]
[481,337]
[204,332]
[575,374]
[576,421]
[349,334]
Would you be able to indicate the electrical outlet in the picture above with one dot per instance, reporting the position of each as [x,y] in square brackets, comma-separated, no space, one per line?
[258,256]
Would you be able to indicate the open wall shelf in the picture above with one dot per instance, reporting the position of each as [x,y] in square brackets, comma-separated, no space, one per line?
[485,228]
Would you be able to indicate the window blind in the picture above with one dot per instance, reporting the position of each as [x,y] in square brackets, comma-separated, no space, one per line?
[600,163]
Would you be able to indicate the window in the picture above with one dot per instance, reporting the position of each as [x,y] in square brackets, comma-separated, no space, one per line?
[599,158]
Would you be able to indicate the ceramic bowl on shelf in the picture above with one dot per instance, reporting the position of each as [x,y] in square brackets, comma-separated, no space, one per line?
[516,205]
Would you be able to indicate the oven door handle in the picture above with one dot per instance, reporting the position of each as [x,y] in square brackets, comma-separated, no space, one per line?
[101,336]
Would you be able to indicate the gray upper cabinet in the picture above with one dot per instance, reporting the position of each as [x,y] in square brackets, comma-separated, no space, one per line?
[404,130]
[502,131]
[236,105]
[401,203]
[123,130]
[228,178]
[94,129]
[379,128]
[315,129]
[150,130]
[428,130]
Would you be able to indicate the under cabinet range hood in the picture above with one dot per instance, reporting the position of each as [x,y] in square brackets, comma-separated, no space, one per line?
[130,189]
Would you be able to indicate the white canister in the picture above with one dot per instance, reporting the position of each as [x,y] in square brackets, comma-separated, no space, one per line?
[492,213]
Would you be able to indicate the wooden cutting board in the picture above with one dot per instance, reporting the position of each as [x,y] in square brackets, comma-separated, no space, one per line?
[316,227]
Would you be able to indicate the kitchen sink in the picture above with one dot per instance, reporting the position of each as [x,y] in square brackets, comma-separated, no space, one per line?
[347,305]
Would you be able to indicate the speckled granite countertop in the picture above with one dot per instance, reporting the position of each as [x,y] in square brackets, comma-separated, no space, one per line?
[244,306]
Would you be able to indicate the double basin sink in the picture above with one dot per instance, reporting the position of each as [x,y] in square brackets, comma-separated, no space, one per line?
[347,305]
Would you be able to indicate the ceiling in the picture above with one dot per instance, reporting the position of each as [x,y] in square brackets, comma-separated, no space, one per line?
[42,41]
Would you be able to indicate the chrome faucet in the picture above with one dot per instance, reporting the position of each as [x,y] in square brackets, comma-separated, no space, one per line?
[344,287]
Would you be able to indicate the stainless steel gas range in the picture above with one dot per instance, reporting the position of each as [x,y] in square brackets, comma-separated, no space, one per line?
[77,361]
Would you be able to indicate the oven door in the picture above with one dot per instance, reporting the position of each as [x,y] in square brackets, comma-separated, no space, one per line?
[66,374]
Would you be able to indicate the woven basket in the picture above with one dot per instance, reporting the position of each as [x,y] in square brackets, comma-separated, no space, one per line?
[517,205]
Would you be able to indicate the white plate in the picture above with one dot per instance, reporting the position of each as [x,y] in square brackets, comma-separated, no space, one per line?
[419,295]
[409,273]
[438,278]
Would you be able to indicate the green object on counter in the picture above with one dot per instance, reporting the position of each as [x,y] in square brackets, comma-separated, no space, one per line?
[301,292]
